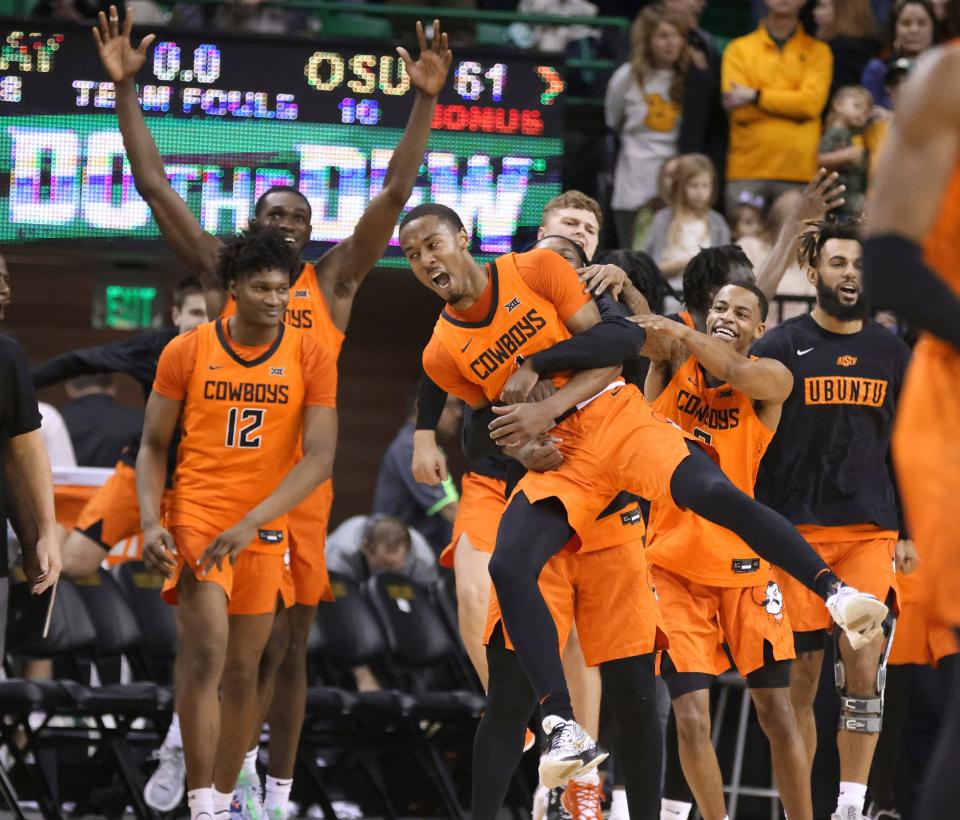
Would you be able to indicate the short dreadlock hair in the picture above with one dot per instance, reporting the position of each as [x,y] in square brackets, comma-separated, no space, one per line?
[818,233]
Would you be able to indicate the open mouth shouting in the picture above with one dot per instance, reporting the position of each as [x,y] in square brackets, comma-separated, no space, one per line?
[441,280]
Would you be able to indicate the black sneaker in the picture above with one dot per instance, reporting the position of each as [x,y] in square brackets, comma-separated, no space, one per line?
[568,752]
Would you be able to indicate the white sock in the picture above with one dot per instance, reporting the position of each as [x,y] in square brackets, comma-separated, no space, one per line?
[851,794]
[250,762]
[278,793]
[173,738]
[221,804]
[618,799]
[200,802]
[592,777]
[675,809]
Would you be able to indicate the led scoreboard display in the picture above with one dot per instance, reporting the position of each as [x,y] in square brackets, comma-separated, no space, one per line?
[234,115]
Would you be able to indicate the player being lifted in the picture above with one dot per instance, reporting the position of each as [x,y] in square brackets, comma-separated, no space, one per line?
[491,342]
[321,301]
[712,588]
[912,265]
[250,394]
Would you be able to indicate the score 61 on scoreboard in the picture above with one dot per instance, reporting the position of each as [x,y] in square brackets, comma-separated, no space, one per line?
[233,115]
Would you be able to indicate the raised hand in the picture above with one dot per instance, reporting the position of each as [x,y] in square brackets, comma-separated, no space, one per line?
[429,73]
[120,59]
[823,194]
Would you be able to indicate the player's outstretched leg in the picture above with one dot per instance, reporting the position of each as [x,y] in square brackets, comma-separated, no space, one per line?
[529,535]
[699,485]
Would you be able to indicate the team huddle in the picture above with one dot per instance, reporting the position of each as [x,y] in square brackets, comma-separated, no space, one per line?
[648,497]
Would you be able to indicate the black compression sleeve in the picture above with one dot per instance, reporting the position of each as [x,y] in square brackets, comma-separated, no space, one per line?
[607,343]
[477,443]
[430,403]
[896,277]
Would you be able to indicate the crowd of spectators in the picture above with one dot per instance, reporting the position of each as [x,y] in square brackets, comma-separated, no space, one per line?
[794,101]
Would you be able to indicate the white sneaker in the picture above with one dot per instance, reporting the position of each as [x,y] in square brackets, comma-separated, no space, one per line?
[247,798]
[859,615]
[848,812]
[568,752]
[164,789]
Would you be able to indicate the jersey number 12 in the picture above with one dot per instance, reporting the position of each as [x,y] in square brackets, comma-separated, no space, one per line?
[242,426]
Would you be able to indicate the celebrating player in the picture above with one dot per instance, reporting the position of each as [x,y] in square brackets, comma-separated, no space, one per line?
[912,265]
[712,588]
[509,314]
[244,389]
[827,472]
[321,301]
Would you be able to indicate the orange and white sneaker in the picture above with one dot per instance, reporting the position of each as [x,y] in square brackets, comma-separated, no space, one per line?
[582,798]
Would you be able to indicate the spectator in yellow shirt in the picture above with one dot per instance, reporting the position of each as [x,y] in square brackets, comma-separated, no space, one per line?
[775,84]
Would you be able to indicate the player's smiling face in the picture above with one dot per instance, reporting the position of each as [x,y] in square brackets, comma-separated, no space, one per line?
[288,213]
[734,317]
[438,256]
[262,297]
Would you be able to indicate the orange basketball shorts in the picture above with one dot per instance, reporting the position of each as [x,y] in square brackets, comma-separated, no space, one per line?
[926,452]
[113,513]
[252,585]
[482,501]
[307,580]
[608,594]
[918,639]
[699,618]
[866,564]
[617,442]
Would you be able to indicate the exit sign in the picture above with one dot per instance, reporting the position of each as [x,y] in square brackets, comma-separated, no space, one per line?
[128,307]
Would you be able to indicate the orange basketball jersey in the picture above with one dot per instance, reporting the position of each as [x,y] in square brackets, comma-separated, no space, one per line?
[307,310]
[520,321]
[725,419]
[241,422]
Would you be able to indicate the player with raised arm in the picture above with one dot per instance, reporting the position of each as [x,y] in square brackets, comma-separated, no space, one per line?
[711,586]
[249,394]
[321,301]
[912,265]
[827,471]
[500,329]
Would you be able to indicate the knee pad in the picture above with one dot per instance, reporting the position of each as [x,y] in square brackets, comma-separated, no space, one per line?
[864,713]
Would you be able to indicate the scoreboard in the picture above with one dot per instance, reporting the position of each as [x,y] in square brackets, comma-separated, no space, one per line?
[234,115]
